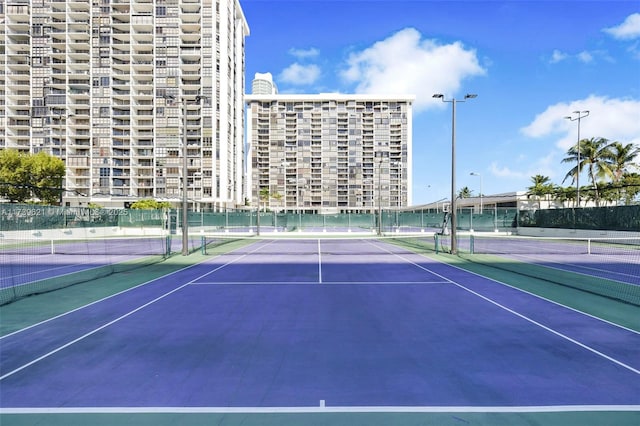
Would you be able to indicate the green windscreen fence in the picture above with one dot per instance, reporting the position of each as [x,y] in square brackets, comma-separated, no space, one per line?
[384,221]
[615,218]
[25,217]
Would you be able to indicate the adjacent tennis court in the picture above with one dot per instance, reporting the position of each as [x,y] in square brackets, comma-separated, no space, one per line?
[323,331]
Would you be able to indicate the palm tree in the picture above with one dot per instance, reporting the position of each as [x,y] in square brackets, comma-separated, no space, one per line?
[264,197]
[541,187]
[464,192]
[620,159]
[593,154]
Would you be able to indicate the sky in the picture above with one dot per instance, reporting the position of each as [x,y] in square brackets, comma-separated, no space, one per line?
[531,63]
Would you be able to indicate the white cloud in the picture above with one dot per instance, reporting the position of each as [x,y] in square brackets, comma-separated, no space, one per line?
[506,172]
[634,49]
[585,57]
[614,119]
[558,56]
[312,52]
[628,30]
[297,74]
[404,63]
[525,169]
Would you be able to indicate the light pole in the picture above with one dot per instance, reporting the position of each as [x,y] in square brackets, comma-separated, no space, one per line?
[284,170]
[62,139]
[399,198]
[480,176]
[379,195]
[185,171]
[453,102]
[580,115]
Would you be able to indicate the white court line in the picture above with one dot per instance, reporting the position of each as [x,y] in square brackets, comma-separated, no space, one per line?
[205,283]
[323,408]
[319,263]
[120,318]
[524,317]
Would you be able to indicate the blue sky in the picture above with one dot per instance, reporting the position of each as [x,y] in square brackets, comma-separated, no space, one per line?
[531,63]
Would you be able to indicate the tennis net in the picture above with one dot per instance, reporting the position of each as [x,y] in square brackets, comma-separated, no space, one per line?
[145,245]
[37,265]
[291,245]
[512,244]
[606,266]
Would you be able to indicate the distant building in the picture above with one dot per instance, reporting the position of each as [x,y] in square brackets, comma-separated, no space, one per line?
[330,153]
[263,84]
[115,88]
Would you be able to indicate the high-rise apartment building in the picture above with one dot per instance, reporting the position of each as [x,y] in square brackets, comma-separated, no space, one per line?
[263,84]
[330,153]
[121,89]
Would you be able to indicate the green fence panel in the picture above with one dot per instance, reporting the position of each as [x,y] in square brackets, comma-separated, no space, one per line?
[612,218]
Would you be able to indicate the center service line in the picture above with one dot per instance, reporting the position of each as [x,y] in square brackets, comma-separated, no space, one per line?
[319,263]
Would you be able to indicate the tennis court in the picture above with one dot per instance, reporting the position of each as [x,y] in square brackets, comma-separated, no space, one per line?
[323,331]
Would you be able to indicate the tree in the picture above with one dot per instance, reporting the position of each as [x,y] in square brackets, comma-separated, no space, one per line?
[47,173]
[541,187]
[630,188]
[563,194]
[464,192]
[24,176]
[266,195]
[150,204]
[14,177]
[593,154]
[619,159]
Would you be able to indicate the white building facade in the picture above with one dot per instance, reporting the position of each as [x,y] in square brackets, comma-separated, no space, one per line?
[116,89]
[330,153]
[263,84]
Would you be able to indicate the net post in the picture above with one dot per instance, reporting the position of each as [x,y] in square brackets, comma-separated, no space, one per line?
[53,247]
[168,245]
[471,244]
[588,245]
[436,238]
[203,244]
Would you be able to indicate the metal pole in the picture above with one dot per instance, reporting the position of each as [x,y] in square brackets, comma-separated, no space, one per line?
[185,206]
[578,118]
[454,249]
[380,196]
[480,194]
[453,101]
[284,169]
[480,176]
[578,170]
[258,219]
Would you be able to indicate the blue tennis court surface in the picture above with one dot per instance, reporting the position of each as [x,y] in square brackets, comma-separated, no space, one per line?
[331,324]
